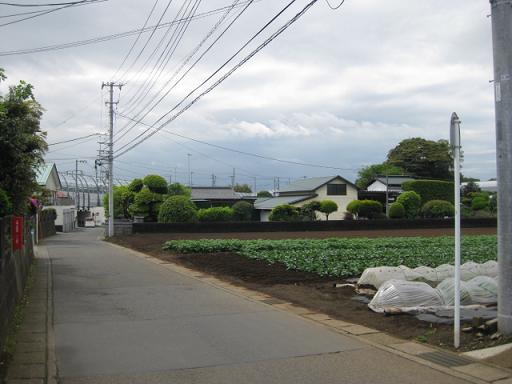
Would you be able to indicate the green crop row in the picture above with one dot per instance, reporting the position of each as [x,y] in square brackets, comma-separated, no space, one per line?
[347,256]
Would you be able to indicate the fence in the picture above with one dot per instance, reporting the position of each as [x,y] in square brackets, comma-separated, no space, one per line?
[334,225]
[15,261]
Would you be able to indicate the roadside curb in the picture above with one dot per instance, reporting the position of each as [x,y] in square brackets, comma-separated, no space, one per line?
[454,364]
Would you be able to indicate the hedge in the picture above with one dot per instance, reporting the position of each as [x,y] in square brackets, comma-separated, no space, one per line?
[215,214]
[438,209]
[431,189]
[177,209]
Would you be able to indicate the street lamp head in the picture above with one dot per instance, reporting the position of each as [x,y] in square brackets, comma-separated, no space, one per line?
[455,131]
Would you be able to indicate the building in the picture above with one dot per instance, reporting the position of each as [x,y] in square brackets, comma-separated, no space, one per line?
[303,191]
[207,197]
[48,178]
[391,183]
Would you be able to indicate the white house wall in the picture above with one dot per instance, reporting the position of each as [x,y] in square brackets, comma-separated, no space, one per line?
[377,186]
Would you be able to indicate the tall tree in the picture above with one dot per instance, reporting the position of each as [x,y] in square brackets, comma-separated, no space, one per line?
[423,158]
[367,174]
[242,188]
[22,143]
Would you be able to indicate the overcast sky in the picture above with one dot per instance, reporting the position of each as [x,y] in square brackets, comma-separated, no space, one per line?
[338,88]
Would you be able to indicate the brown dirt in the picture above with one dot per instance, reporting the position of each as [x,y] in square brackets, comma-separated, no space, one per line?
[306,289]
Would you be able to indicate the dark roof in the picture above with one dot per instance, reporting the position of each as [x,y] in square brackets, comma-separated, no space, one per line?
[214,193]
[393,180]
[272,202]
[311,184]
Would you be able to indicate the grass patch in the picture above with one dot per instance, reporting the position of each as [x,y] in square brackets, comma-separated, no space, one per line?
[343,257]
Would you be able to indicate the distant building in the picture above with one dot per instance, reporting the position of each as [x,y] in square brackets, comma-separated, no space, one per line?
[487,186]
[47,177]
[391,183]
[303,191]
[207,197]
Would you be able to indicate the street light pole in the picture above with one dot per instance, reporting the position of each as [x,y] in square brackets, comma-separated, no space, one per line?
[455,144]
[501,14]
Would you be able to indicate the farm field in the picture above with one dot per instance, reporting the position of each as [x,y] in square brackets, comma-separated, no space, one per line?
[313,286]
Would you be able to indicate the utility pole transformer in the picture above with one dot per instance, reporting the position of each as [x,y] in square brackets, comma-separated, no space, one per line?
[110,155]
[502,41]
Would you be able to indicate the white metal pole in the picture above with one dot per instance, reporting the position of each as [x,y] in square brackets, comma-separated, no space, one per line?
[455,143]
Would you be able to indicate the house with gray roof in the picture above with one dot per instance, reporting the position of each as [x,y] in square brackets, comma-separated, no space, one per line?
[303,191]
[393,183]
[207,197]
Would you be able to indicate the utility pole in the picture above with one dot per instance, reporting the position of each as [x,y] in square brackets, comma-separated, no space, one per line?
[233,178]
[387,194]
[255,189]
[214,179]
[77,195]
[501,14]
[110,154]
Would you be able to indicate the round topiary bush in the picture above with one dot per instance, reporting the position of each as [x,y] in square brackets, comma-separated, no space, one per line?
[215,214]
[177,189]
[353,207]
[5,204]
[177,209]
[136,185]
[437,209]
[396,211]
[156,184]
[369,209]
[242,211]
[284,212]
[411,202]
[327,207]
[479,203]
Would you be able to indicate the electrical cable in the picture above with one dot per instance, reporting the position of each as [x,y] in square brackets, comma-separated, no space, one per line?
[75,139]
[146,106]
[136,40]
[214,73]
[245,152]
[105,38]
[222,78]
[334,7]
[47,4]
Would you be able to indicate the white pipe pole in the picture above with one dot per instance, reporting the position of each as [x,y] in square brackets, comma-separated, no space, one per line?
[455,143]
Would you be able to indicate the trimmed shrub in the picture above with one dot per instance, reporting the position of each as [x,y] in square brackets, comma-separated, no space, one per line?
[479,203]
[396,211]
[242,211]
[431,190]
[136,185]
[369,209]
[147,204]
[308,210]
[123,198]
[327,207]
[177,189]
[411,202]
[177,209]
[5,204]
[263,194]
[284,212]
[438,209]
[215,214]
[156,184]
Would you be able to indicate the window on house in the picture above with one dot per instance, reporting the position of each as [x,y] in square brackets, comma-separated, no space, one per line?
[336,189]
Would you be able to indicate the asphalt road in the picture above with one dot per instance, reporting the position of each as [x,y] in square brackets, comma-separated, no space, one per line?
[119,318]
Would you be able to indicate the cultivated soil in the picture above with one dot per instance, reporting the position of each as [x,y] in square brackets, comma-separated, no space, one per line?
[306,289]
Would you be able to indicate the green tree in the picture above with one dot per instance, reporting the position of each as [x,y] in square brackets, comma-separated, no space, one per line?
[136,185]
[245,188]
[264,194]
[156,184]
[411,202]
[123,197]
[284,212]
[22,143]
[5,204]
[367,174]
[423,158]
[308,210]
[177,209]
[396,211]
[147,204]
[215,214]
[177,189]
[327,207]
[470,187]
[242,211]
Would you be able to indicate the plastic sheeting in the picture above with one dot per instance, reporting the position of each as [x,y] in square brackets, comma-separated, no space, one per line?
[378,276]
[400,293]
[406,295]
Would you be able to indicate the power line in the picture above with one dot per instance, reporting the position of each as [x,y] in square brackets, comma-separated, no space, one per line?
[206,80]
[105,38]
[245,152]
[45,12]
[47,4]
[334,7]
[75,139]
[146,108]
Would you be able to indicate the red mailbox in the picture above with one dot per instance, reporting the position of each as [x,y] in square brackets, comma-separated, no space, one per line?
[17,232]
